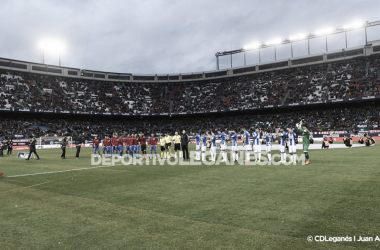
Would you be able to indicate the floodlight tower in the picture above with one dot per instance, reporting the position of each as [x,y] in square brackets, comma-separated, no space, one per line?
[52,46]
[296,38]
[353,26]
[301,37]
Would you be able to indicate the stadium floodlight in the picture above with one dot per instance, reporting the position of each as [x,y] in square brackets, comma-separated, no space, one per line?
[354,25]
[298,37]
[274,42]
[319,33]
[252,46]
[52,46]
[326,31]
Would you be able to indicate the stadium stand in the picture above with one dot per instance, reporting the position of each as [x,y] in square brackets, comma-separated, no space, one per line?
[356,77]
[307,84]
[332,119]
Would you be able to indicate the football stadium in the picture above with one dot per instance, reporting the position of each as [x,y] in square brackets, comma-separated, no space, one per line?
[265,148]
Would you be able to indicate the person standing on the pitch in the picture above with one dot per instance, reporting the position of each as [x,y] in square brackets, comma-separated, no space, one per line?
[120,146]
[95,145]
[63,147]
[78,145]
[142,140]
[305,140]
[32,149]
[1,148]
[185,143]
[162,145]
[10,146]
[153,144]
[114,144]
[177,144]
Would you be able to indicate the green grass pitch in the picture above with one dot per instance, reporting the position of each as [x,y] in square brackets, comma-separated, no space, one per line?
[190,207]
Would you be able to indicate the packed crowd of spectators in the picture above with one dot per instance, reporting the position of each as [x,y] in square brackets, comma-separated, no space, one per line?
[332,119]
[307,84]
[343,74]
[357,77]
[368,85]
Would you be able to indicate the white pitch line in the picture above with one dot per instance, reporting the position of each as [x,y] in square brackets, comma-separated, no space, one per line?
[35,185]
[60,171]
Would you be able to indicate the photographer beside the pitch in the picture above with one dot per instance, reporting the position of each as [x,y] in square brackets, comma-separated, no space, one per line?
[326,142]
[1,148]
[347,141]
[369,141]
[361,140]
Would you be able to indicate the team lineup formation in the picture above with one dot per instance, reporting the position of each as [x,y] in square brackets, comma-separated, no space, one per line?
[135,145]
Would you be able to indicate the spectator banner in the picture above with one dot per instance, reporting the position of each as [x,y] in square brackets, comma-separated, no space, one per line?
[48,91]
[362,128]
[21,142]
[10,86]
[345,134]
[329,132]
[18,136]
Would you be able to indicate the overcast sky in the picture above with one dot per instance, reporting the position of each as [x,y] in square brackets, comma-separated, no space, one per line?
[172,36]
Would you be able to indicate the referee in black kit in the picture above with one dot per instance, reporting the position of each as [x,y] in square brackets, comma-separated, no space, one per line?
[184,143]
[32,148]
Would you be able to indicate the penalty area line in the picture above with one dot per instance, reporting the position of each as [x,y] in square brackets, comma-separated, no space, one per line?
[59,171]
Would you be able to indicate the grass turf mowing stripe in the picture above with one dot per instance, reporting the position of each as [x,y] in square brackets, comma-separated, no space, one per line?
[124,226]
[35,185]
[59,171]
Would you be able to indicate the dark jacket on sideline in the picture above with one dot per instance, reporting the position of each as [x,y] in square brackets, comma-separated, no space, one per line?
[184,139]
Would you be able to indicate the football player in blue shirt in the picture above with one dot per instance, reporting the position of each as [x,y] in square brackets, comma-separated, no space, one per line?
[268,145]
[204,145]
[283,135]
[256,144]
[234,151]
[247,144]
[292,145]
[197,147]
[213,146]
[223,145]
